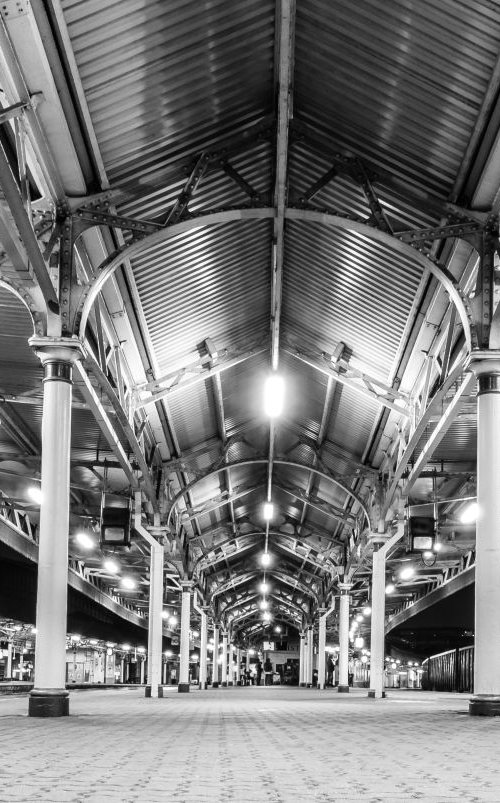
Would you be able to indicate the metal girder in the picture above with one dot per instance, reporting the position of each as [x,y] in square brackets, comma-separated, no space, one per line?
[440,430]
[316,504]
[359,381]
[105,424]
[92,367]
[285,31]
[452,581]
[462,230]
[30,243]
[202,374]
[434,406]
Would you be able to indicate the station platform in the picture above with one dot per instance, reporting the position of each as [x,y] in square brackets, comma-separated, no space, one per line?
[267,744]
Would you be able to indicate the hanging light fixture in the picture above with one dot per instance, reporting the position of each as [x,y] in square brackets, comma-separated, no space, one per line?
[274,394]
[268,511]
[265,558]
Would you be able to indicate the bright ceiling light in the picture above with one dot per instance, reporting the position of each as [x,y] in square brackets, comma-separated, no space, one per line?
[359,617]
[266,616]
[168,653]
[264,588]
[265,558]
[75,637]
[263,604]
[35,494]
[390,588]
[85,541]
[165,614]
[277,629]
[125,646]
[469,514]
[268,511]
[437,547]
[367,611]
[111,566]
[427,554]
[128,582]
[407,573]
[172,621]
[274,394]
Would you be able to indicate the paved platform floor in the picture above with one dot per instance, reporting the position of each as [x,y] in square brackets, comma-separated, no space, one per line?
[240,745]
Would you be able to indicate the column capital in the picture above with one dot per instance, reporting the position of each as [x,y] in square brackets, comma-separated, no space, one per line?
[484,362]
[57,349]
[344,588]
[186,585]
[377,539]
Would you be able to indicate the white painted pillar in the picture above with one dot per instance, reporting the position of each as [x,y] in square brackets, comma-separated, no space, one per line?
[9,660]
[164,672]
[310,655]
[203,649]
[377,640]
[155,630]
[215,673]
[141,678]
[230,674]
[302,659]
[486,698]
[49,696]
[122,670]
[184,638]
[322,648]
[224,658]
[238,665]
[344,589]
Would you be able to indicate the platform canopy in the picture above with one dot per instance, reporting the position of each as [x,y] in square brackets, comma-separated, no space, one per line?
[212,194]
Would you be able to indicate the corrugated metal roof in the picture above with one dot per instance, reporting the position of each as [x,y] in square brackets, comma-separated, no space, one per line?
[166,77]
[398,82]
[211,282]
[339,286]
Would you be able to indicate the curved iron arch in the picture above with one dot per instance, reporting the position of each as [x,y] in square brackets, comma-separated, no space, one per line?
[259,461]
[444,277]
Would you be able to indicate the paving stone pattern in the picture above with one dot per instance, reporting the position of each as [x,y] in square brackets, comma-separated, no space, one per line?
[239,745]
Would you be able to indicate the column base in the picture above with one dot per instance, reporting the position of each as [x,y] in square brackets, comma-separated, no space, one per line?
[147,691]
[485,705]
[224,684]
[48,703]
[302,685]
[215,684]
[183,688]
[203,686]
[343,689]
[230,683]
[372,694]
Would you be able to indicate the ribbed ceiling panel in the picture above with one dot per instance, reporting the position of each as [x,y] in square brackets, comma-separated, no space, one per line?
[192,412]
[211,282]
[399,82]
[340,287]
[159,74]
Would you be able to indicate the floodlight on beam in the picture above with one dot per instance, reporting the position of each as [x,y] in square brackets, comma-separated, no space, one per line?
[422,530]
[115,526]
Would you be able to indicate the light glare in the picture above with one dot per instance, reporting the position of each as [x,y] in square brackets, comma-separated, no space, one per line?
[274,392]
[469,514]
[268,511]
[85,540]
[111,566]
[390,588]
[128,582]
[265,558]
[35,494]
